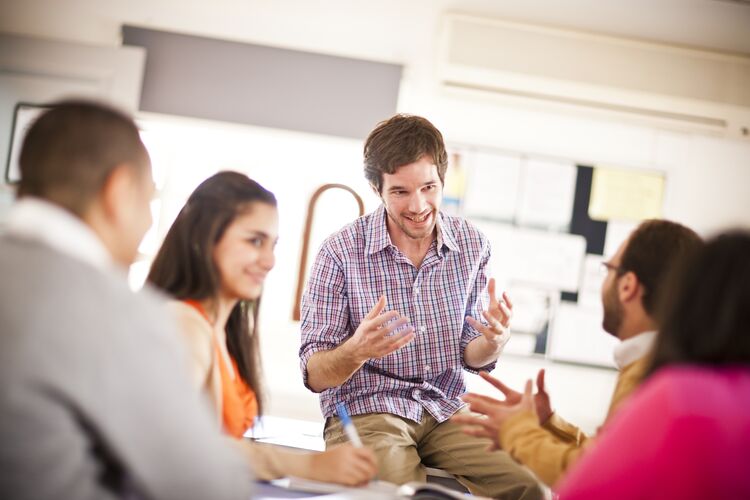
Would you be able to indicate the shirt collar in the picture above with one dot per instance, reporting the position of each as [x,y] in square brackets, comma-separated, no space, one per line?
[378,237]
[41,221]
[377,232]
[631,350]
[445,235]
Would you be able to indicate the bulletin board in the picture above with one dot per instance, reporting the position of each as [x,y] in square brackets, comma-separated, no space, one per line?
[551,223]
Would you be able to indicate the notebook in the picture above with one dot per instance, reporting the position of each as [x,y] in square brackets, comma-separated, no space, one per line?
[376,489]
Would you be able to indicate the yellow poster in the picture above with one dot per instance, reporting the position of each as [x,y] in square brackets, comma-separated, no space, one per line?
[455,178]
[628,195]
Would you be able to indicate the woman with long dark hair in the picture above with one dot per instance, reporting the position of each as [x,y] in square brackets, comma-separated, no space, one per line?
[686,432]
[213,261]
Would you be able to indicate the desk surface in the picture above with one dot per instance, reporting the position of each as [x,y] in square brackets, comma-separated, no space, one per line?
[289,432]
[264,490]
[304,435]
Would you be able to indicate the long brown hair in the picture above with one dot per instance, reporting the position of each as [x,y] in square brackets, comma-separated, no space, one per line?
[706,315]
[184,266]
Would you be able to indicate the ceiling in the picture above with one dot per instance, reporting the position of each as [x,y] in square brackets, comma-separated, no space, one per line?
[385,29]
[715,24]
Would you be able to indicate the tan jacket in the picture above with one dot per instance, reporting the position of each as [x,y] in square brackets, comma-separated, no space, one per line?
[268,461]
[199,335]
[550,449]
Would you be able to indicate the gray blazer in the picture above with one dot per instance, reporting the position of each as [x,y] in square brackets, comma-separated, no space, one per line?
[95,396]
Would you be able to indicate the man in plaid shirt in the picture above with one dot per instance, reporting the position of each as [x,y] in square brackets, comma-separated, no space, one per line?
[395,309]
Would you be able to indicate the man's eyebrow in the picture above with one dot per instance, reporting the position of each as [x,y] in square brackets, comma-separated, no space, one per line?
[401,188]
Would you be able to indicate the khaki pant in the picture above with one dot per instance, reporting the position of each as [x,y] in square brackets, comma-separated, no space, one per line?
[403,449]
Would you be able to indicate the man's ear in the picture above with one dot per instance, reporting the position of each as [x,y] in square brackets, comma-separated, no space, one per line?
[628,287]
[375,190]
[116,192]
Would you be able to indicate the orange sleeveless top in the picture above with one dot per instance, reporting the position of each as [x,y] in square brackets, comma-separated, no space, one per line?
[239,405]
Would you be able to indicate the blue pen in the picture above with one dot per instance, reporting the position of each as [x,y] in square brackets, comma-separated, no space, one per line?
[346,421]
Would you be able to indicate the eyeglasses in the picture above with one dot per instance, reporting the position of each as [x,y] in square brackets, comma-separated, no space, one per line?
[607,267]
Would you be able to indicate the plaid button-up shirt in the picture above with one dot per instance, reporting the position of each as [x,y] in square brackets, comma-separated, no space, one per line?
[357,265]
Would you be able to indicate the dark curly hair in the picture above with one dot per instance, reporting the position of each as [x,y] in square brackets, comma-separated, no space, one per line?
[706,317]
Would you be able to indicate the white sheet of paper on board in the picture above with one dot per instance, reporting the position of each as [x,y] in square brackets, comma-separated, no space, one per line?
[492,186]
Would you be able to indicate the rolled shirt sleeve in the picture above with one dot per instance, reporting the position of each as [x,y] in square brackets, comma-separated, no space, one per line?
[325,310]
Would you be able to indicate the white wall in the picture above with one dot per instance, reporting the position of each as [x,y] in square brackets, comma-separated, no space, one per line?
[708,178]
[186,151]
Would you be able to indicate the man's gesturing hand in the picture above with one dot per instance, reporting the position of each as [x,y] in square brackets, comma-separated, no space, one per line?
[495,414]
[374,338]
[541,397]
[497,330]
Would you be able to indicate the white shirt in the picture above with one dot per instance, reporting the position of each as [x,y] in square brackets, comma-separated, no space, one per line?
[51,225]
[631,350]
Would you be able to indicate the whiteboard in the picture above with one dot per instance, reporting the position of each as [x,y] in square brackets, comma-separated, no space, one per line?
[545,259]
[577,336]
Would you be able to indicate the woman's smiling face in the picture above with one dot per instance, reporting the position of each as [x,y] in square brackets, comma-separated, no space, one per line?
[245,253]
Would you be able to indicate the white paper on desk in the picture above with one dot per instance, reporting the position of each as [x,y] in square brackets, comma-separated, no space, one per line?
[375,490]
[288,432]
[577,335]
[546,193]
[308,443]
[492,190]
[311,486]
[269,426]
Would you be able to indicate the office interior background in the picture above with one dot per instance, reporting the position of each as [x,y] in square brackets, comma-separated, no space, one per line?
[567,123]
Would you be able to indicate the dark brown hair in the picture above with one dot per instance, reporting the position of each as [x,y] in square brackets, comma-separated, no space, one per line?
[70,150]
[706,316]
[399,141]
[184,266]
[652,248]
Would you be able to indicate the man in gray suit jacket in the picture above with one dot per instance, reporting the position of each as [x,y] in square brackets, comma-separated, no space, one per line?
[95,397]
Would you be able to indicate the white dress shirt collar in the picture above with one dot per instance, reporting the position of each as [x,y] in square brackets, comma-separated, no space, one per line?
[42,221]
[630,350]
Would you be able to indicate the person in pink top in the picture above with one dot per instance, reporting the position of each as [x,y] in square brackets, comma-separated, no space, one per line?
[686,432]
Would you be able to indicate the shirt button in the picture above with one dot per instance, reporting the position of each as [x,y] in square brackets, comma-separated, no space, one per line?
[422,329]
[416,290]
[427,368]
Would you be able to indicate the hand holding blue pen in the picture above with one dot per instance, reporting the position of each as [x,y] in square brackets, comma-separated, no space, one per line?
[346,421]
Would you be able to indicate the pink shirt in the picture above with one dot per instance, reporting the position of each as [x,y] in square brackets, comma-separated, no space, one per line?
[685,434]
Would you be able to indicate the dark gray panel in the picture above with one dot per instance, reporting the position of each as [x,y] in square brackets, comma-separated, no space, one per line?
[259,85]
